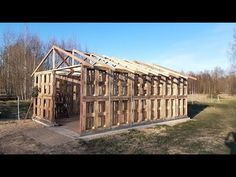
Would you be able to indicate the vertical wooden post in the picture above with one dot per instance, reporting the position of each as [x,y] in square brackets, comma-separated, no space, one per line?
[155,109]
[140,114]
[148,100]
[53,95]
[34,99]
[131,95]
[176,108]
[140,88]
[181,107]
[53,59]
[73,61]
[155,86]
[108,103]
[95,101]
[83,86]
[186,107]
[96,92]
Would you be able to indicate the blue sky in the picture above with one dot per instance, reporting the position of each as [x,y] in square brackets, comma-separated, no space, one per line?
[180,46]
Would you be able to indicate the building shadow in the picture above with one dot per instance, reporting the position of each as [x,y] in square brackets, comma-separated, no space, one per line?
[230,142]
[195,108]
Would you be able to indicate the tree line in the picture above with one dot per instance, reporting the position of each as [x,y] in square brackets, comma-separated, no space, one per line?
[212,82]
[20,53]
[216,81]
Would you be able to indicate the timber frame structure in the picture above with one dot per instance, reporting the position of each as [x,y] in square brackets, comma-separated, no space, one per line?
[106,93]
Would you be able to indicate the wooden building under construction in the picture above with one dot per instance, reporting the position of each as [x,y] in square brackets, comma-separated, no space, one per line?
[106,93]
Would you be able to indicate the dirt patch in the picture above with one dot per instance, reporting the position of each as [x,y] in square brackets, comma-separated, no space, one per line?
[15,126]
[152,130]
[47,137]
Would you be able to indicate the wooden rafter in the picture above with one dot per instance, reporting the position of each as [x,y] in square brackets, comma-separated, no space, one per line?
[63,59]
[129,65]
[193,78]
[150,70]
[42,61]
[115,63]
[74,57]
[144,65]
[171,72]
[68,67]
[92,59]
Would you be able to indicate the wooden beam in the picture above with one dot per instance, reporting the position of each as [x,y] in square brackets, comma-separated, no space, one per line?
[151,70]
[53,59]
[63,60]
[129,66]
[74,57]
[44,58]
[108,59]
[193,78]
[144,65]
[92,59]
[171,72]
[124,65]
[73,61]
[68,67]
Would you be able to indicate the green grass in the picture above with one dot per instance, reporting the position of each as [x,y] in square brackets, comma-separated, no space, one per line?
[206,133]
[8,109]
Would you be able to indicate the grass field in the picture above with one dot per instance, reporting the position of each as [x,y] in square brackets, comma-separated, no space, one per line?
[212,130]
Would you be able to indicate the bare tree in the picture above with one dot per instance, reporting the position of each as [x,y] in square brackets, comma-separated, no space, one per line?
[232,53]
[232,59]
[18,59]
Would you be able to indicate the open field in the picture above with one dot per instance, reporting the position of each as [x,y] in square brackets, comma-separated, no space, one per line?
[212,130]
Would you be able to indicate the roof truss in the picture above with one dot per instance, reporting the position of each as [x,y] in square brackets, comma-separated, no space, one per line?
[101,61]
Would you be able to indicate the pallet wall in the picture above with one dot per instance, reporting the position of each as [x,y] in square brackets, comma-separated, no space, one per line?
[44,106]
[105,99]
[58,96]
[112,99]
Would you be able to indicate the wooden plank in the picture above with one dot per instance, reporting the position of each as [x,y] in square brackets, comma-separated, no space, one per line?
[116,63]
[130,66]
[42,61]
[151,68]
[171,72]
[131,102]
[73,53]
[140,115]
[92,59]
[63,59]
[109,102]
[96,81]
[83,85]
[148,101]
[155,109]
[96,114]
[74,57]
[68,67]
[53,93]
[53,59]
[193,78]
[144,67]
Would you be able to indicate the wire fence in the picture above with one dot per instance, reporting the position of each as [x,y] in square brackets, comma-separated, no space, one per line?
[9,109]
